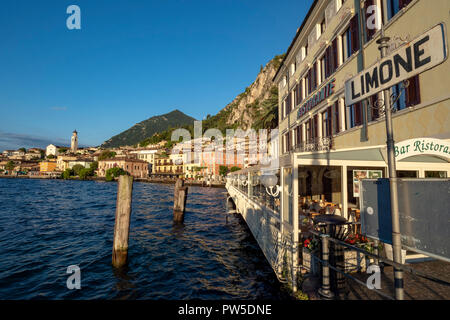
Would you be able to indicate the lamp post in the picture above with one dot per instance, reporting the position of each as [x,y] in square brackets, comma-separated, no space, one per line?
[396,239]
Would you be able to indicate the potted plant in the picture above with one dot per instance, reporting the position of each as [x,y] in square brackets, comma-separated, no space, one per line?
[310,249]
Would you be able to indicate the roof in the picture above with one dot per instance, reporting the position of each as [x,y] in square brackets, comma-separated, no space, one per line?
[124,159]
[299,30]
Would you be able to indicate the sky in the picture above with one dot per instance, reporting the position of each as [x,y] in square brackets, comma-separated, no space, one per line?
[131,60]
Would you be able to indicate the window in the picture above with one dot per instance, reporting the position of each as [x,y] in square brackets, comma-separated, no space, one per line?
[354,31]
[331,59]
[407,174]
[288,103]
[322,26]
[298,94]
[298,134]
[374,111]
[397,90]
[335,117]
[308,127]
[413,92]
[312,78]
[355,115]
[323,64]
[393,7]
[326,123]
[346,44]
[435,174]
[350,38]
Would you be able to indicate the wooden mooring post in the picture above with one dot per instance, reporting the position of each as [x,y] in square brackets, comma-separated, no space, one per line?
[122,224]
[179,201]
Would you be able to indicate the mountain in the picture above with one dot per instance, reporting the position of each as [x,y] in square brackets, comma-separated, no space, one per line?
[256,107]
[148,128]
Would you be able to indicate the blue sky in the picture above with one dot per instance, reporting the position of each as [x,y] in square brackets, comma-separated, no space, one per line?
[131,60]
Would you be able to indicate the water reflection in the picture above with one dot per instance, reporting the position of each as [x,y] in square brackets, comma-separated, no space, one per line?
[55,224]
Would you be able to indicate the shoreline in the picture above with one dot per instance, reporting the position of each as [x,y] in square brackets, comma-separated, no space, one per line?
[145,180]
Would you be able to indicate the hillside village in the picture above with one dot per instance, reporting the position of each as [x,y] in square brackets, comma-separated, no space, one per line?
[145,150]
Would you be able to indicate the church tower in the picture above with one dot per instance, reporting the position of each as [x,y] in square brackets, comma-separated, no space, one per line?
[74,142]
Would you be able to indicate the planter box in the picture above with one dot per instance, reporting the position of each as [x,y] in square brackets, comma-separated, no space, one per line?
[310,262]
[354,261]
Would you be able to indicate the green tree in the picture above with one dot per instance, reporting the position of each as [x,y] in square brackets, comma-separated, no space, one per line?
[77,168]
[62,150]
[94,166]
[23,150]
[51,156]
[233,169]
[114,173]
[10,166]
[67,174]
[107,154]
[84,173]
[223,170]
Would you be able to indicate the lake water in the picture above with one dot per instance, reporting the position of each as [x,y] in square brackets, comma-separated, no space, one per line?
[47,225]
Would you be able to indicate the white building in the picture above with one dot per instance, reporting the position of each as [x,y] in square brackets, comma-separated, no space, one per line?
[51,150]
[74,142]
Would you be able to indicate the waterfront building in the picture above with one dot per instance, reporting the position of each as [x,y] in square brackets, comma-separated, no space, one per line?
[83,162]
[147,155]
[48,166]
[51,150]
[169,166]
[327,145]
[136,168]
[62,162]
[74,142]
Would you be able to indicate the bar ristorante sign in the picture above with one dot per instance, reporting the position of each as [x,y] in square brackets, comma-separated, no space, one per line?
[422,146]
[326,91]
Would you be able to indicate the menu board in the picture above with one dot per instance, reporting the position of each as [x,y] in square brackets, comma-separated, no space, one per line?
[364,174]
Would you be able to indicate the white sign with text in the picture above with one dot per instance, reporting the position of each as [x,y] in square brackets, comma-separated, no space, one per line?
[417,56]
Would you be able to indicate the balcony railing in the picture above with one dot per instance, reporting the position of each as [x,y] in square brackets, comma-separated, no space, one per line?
[316,144]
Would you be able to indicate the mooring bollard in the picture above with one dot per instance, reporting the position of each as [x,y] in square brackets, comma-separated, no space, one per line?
[325,291]
[122,224]
[179,201]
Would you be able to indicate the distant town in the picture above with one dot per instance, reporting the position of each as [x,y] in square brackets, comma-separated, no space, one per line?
[153,162]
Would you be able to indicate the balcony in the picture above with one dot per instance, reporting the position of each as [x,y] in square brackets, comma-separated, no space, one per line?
[315,144]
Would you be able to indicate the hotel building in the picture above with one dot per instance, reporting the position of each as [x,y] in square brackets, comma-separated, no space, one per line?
[327,145]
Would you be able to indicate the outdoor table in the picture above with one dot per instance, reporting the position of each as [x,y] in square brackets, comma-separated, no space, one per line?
[334,226]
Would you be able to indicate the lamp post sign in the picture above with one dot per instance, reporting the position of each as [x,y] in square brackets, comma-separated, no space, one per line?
[417,56]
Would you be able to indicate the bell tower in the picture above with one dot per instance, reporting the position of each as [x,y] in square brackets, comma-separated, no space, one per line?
[74,142]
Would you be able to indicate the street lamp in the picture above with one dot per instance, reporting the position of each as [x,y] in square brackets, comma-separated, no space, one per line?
[270,182]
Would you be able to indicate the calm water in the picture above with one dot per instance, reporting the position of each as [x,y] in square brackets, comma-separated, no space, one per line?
[47,225]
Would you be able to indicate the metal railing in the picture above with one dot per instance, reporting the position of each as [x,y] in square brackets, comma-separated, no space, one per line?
[325,289]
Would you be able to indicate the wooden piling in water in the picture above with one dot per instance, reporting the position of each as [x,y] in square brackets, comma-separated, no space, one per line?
[122,224]
[179,201]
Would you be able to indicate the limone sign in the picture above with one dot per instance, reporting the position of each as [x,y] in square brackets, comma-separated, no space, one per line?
[420,146]
[417,56]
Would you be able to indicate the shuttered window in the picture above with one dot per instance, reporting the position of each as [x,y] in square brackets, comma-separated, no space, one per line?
[336,117]
[413,92]
[354,34]
[355,115]
[316,126]
[327,123]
